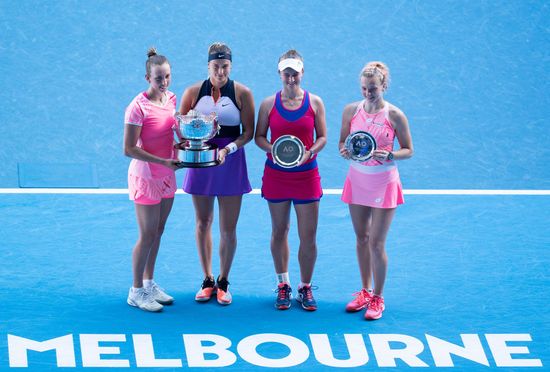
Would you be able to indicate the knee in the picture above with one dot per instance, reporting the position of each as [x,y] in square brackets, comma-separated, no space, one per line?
[204,224]
[280,232]
[308,239]
[147,237]
[229,235]
[377,247]
[362,239]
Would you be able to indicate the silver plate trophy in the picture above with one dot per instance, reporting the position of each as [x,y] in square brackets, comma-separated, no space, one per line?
[192,131]
[287,151]
[360,145]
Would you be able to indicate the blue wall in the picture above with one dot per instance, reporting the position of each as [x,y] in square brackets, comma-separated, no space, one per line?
[471,76]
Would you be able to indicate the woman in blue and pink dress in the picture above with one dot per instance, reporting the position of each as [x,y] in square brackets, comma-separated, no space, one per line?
[293,111]
[234,105]
[373,188]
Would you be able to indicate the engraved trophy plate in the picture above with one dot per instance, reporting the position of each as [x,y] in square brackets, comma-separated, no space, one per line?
[287,151]
[360,145]
[191,132]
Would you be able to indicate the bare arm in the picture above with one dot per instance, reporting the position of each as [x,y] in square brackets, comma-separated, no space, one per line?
[246,101]
[262,124]
[320,124]
[403,133]
[131,136]
[188,98]
[247,114]
[347,115]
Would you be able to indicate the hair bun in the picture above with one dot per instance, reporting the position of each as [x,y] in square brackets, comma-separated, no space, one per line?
[151,52]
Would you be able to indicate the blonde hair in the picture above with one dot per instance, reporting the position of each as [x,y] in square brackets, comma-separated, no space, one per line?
[379,69]
[292,53]
[219,47]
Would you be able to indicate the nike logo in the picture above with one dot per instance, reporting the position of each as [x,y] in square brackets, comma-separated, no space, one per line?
[225,104]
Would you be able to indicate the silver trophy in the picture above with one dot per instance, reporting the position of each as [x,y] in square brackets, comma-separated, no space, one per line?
[360,145]
[287,151]
[192,131]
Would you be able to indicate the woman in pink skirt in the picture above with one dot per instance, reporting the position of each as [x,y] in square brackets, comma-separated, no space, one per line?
[149,141]
[373,188]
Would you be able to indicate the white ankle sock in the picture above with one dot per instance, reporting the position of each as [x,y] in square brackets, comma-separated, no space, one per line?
[283,278]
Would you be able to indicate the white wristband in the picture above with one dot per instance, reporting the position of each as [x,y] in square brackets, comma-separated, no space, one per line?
[231,148]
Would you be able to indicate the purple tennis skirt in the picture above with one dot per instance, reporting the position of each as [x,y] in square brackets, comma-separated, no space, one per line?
[230,178]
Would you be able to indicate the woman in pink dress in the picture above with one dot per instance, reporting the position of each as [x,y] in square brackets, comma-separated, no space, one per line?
[149,141]
[373,188]
[293,111]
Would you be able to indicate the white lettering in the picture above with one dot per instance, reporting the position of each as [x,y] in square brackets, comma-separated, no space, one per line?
[442,350]
[503,353]
[299,351]
[195,350]
[211,350]
[386,356]
[358,355]
[91,351]
[64,350]
[145,353]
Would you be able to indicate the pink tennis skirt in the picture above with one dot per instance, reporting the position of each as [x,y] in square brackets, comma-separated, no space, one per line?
[149,183]
[373,186]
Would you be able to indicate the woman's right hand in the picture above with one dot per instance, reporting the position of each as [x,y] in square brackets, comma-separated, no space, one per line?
[173,164]
[344,152]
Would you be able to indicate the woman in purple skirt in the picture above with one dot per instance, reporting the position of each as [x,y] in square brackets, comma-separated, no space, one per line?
[234,105]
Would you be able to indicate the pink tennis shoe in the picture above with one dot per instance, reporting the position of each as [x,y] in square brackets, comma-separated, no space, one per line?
[375,308]
[361,301]
[207,290]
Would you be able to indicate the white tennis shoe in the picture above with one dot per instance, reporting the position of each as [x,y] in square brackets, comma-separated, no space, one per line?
[143,299]
[159,295]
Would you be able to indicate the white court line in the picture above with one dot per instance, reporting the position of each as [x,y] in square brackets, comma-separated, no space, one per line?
[257,191]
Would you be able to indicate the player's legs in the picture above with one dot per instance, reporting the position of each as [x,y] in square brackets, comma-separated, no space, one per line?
[307,216]
[165,208]
[280,225]
[204,215]
[380,225]
[230,207]
[148,218]
[361,219]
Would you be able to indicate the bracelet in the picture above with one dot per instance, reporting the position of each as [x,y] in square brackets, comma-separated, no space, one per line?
[231,148]
[312,153]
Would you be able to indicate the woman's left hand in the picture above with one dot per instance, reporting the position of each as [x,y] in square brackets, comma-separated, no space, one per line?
[307,156]
[380,155]
[222,153]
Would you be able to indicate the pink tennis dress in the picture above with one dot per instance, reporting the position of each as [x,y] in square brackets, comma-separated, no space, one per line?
[373,183]
[148,182]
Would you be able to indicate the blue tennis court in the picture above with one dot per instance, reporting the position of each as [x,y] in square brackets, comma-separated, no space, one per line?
[468,281]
